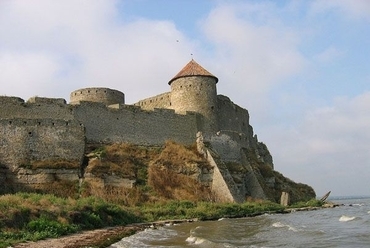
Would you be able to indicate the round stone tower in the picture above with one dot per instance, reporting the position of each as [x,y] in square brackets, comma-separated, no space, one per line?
[194,89]
[103,95]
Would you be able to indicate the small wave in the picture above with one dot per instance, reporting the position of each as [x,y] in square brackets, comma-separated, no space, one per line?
[292,229]
[280,225]
[357,204]
[195,240]
[345,218]
[202,242]
[368,212]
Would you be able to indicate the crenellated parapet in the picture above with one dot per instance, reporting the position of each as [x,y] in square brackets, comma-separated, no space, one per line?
[103,95]
[159,101]
[35,108]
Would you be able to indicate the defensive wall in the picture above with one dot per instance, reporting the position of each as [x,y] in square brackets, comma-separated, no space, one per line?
[128,123]
[35,153]
[35,108]
[103,95]
[25,141]
[158,101]
[45,129]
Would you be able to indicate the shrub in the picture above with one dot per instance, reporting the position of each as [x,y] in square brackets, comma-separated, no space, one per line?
[50,228]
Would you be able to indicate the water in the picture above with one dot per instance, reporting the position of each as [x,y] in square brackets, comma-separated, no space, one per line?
[344,226]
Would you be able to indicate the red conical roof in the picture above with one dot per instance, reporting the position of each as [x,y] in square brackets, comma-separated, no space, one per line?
[192,69]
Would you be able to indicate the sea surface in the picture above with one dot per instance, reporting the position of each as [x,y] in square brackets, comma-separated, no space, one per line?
[344,226]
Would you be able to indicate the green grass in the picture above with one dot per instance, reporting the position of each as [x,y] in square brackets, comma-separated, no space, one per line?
[31,217]
[310,203]
[205,210]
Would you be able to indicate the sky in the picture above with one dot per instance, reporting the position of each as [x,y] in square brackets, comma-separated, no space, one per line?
[301,68]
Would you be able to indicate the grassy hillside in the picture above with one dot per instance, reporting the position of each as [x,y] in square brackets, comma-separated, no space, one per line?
[166,186]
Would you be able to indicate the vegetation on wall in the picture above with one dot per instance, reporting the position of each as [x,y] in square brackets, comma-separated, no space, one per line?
[168,172]
[50,164]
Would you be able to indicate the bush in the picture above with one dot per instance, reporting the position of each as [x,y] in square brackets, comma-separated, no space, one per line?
[310,203]
[50,228]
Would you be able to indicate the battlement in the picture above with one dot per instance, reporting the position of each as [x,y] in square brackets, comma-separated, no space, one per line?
[124,106]
[103,95]
[10,100]
[159,101]
[20,122]
[46,100]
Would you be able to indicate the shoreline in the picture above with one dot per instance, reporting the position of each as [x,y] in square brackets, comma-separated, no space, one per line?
[103,237]
[107,236]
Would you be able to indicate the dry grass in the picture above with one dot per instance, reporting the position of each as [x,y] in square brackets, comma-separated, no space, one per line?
[266,170]
[117,195]
[169,174]
[179,158]
[171,185]
[61,188]
[124,160]
[51,164]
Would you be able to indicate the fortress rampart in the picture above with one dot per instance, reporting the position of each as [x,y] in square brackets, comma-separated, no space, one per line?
[43,130]
[119,123]
[103,95]
[35,108]
[25,141]
[162,101]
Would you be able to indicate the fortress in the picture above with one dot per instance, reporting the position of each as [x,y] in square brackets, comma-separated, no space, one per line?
[41,130]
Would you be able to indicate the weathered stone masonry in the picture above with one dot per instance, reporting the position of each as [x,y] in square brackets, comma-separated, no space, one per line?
[43,130]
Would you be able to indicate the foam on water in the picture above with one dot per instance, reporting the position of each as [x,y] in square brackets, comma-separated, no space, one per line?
[299,229]
[278,224]
[345,218]
[140,239]
[194,240]
[281,225]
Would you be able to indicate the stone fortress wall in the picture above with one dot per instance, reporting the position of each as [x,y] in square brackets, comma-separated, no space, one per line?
[103,95]
[29,144]
[162,101]
[128,123]
[34,108]
[44,129]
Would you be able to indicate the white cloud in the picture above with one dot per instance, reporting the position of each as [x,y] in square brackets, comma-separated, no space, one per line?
[330,54]
[254,55]
[330,145]
[20,72]
[352,9]
[80,44]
